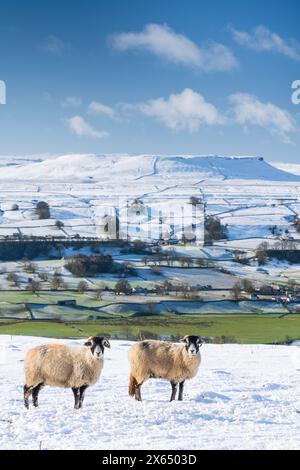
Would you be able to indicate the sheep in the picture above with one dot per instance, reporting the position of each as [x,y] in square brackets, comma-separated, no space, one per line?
[163,360]
[58,365]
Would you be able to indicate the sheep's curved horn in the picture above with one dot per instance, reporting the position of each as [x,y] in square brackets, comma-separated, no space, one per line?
[89,341]
[185,339]
[106,343]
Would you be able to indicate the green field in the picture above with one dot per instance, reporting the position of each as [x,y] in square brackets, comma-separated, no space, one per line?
[49,297]
[217,328]
[83,320]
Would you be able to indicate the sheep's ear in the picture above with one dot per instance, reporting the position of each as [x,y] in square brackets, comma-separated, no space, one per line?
[106,343]
[185,339]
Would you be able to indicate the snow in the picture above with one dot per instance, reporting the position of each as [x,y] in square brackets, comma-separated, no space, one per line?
[199,276]
[89,167]
[289,167]
[248,193]
[244,397]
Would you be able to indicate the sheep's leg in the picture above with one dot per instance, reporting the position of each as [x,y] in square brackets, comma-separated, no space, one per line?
[132,385]
[137,393]
[35,394]
[27,393]
[81,394]
[76,391]
[180,395]
[174,390]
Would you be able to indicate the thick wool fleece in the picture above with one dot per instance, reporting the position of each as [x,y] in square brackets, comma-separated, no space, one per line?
[159,359]
[61,366]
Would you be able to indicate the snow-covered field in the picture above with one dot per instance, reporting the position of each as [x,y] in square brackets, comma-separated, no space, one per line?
[247,193]
[244,397]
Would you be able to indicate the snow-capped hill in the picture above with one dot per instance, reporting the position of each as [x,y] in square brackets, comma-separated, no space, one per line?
[80,167]
[215,167]
[293,168]
[89,167]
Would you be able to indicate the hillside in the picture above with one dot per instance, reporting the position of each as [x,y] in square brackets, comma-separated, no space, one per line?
[90,167]
[247,193]
[288,167]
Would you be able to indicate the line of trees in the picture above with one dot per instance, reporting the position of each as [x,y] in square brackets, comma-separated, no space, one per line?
[284,250]
[83,265]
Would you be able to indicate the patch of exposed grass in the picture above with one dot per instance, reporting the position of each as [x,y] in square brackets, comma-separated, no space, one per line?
[239,328]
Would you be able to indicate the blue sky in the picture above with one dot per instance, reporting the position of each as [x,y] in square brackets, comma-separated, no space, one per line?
[153,76]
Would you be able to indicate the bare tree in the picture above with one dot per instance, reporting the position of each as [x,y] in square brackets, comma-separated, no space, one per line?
[236,291]
[82,286]
[123,286]
[33,286]
[43,210]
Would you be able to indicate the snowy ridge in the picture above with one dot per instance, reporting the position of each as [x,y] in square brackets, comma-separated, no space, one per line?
[244,397]
[91,167]
[293,168]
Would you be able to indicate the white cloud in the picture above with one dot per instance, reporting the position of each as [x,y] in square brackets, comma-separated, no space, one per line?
[262,39]
[187,110]
[80,127]
[55,46]
[247,109]
[71,102]
[164,42]
[97,108]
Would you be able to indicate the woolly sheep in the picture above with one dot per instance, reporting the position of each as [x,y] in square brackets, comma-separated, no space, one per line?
[58,365]
[164,360]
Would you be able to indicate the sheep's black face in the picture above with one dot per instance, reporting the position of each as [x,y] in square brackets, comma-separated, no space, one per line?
[97,344]
[192,344]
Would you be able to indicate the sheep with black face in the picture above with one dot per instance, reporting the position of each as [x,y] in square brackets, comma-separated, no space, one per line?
[164,360]
[75,367]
